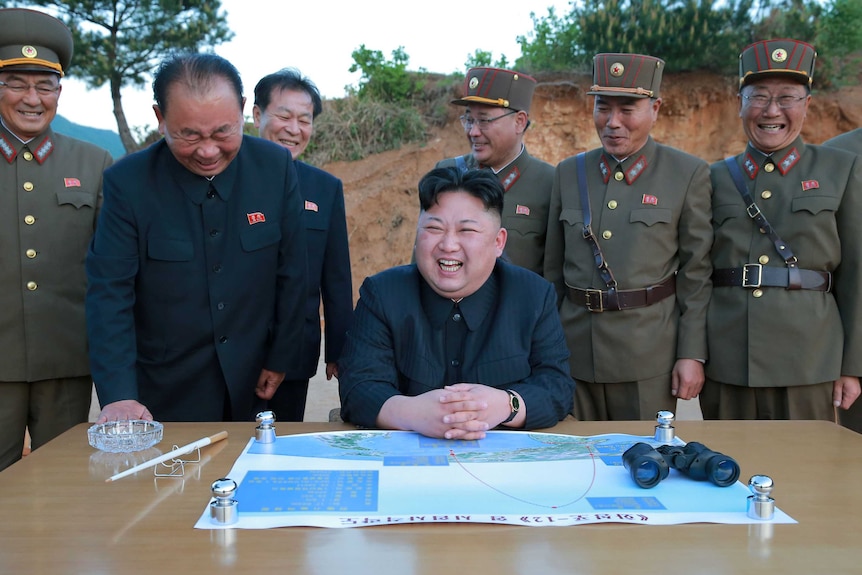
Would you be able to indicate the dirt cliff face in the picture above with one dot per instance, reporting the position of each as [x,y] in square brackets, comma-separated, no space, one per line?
[698,115]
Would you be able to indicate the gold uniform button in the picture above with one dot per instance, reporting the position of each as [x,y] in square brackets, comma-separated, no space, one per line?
[757,293]
[28,186]
[612,204]
[607,234]
[32,286]
[769,168]
[619,176]
[31,253]
[28,156]
[765,194]
[29,220]
[763,259]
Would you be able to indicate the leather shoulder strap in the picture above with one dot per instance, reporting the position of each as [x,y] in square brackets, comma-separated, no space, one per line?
[604,271]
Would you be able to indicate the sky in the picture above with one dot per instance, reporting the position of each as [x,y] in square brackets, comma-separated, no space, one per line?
[317,37]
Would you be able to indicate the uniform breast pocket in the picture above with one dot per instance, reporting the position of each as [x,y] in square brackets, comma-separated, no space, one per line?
[76,198]
[524,226]
[169,250]
[314,220]
[815,204]
[504,371]
[259,236]
[572,217]
[651,217]
[723,214]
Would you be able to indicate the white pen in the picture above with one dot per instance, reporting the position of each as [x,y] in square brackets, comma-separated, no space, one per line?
[170,455]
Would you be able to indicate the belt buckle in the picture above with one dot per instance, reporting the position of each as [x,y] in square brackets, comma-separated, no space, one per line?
[746,274]
[590,294]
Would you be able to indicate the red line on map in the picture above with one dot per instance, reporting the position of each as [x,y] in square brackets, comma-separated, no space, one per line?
[516,498]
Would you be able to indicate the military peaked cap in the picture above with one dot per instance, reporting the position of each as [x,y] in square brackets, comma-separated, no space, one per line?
[32,41]
[630,75]
[783,57]
[497,87]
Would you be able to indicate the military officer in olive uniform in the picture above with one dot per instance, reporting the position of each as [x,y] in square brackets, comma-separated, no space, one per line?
[496,115]
[636,328]
[852,141]
[49,194]
[784,325]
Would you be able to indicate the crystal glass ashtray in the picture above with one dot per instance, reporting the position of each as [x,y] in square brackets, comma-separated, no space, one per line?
[125,436]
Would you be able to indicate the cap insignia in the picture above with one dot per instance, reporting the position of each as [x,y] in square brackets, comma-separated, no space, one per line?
[779,55]
[474,81]
[29,51]
[617,69]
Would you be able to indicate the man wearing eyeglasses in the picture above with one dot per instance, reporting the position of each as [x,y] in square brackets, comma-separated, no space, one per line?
[636,326]
[784,325]
[197,271]
[50,192]
[496,115]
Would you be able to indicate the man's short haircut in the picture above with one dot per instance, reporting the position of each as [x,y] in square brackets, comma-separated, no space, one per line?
[286,79]
[481,184]
[196,72]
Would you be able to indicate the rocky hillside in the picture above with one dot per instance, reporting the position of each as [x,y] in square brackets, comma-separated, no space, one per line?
[698,115]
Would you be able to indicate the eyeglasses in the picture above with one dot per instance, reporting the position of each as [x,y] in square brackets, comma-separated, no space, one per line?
[21,88]
[482,123]
[783,102]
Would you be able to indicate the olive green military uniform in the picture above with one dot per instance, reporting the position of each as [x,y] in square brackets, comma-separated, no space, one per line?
[651,215]
[762,337]
[781,333]
[650,218]
[527,181]
[851,141]
[49,197]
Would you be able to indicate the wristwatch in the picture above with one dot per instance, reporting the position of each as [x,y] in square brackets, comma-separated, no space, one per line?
[514,406]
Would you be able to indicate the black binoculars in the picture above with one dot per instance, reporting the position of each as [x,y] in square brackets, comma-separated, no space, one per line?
[649,465]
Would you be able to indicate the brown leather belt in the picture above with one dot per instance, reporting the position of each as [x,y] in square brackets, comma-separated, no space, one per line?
[757,275]
[597,300]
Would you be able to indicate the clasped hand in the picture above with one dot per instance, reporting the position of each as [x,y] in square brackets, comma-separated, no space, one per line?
[459,411]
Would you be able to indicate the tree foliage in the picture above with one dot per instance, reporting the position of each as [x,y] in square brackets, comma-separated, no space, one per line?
[484,59]
[384,80]
[692,34]
[120,42]
[840,34]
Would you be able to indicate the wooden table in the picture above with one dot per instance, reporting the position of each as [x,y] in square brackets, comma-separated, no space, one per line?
[57,515]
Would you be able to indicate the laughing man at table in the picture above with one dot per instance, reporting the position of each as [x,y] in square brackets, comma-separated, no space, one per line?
[459,342]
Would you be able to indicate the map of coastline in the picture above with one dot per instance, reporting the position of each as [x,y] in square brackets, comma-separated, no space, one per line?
[369,477]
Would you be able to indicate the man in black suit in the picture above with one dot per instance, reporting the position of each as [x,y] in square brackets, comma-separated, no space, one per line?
[196,273]
[459,342]
[285,106]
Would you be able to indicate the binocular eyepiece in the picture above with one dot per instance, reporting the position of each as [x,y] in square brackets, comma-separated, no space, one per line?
[648,465]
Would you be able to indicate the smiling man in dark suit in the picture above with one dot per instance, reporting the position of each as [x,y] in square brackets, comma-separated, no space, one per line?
[197,269]
[285,106]
[459,342]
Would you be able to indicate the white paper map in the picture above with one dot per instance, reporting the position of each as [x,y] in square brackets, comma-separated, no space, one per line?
[363,478]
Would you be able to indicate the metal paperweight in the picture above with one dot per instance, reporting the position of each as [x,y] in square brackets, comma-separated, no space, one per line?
[664,432]
[761,505]
[223,508]
[125,436]
[265,430]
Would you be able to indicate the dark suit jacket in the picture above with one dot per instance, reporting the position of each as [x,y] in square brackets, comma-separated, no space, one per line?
[328,268]
[193,290]
[393,349]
